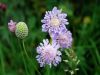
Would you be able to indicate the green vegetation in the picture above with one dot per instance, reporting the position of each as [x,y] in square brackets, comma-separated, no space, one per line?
[84,19]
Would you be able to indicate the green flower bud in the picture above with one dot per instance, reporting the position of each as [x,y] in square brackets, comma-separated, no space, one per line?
[21,30]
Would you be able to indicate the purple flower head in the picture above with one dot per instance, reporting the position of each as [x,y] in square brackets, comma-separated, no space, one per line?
[63,38]
[54,21]
[12,26]
[48,54]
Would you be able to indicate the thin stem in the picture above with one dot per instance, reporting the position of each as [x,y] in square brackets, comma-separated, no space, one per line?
[24,48]
[48,70]
[25,64]
[23,57]
[28,58]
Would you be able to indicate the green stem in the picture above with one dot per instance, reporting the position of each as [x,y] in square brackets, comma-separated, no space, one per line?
[25,64]
[28,58]
[48,70]
[23,58]
[24,48]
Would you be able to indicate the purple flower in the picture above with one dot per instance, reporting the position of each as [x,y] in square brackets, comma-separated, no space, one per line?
[12,26]
[48,54]
[63,38]
[54,21]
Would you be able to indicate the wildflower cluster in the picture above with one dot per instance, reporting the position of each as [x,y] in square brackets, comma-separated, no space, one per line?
[49,53]
[54,23]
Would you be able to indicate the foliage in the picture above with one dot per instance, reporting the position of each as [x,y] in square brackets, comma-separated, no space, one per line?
[83,16]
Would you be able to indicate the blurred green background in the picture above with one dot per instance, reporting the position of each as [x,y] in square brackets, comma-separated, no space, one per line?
[84,19]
